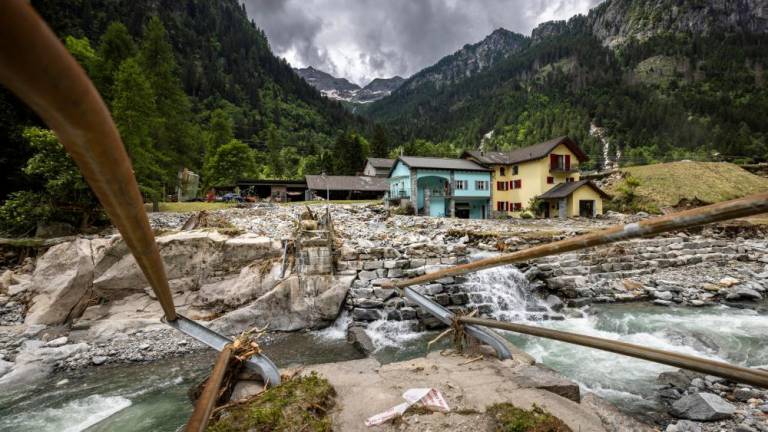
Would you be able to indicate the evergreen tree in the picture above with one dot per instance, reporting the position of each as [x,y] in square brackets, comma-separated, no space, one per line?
[115,46]
[135,114]
[175,136]
[350,151]
[379,143]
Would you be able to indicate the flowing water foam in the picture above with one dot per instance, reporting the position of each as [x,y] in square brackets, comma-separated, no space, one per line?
[74,416]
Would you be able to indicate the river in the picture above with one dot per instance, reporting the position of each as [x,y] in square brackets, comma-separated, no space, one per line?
[153,396]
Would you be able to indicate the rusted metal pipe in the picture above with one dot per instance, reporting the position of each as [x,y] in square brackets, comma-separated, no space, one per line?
[40,71]
[210,395]
[747,206]
[731,372]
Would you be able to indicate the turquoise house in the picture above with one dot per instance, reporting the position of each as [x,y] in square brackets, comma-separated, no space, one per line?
[442,187]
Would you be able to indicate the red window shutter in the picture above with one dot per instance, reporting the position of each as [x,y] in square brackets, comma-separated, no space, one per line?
[518,184]
[550,180]
[567,162]
[498,185]
[552,161]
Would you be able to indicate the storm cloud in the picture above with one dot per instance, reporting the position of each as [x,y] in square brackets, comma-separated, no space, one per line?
[364,39]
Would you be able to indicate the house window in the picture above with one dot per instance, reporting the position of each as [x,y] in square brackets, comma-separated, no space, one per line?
[559,162]
[461,184]
[481,185]
[514,170]
[569,180]
[517,184]
[550,180]
[501,186]
[502,171]
[518,206]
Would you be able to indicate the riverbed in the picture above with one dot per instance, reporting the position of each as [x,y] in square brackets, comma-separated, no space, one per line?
[153,396]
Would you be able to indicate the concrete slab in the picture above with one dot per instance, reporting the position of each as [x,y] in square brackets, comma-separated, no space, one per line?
[365,388]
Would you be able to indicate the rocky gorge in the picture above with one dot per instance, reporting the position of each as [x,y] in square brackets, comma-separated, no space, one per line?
[84,302]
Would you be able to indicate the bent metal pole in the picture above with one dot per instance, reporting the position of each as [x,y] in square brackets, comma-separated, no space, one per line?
[747,206]
[38,69]
[740,374]
[205,404]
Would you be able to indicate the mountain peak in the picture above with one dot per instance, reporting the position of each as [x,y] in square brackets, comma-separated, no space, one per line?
[341,89]
[471,59]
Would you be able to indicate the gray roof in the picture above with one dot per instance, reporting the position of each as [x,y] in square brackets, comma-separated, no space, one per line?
[381,163]
[536,151]
[441,163]
[563,190]
[347,183]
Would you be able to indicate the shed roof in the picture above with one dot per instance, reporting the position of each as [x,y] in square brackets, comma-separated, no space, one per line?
[347,183]
[381,163]
[441,163]
[563,190]
[536,151]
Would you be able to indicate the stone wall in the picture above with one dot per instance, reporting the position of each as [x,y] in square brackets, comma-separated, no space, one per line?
[369,301]
[593,272]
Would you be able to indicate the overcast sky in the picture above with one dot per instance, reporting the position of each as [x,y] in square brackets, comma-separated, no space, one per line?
[365,39]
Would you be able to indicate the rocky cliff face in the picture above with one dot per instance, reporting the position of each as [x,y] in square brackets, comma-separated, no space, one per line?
[470,59]
[341,89]
[329,86]
[616,20]
[378,88]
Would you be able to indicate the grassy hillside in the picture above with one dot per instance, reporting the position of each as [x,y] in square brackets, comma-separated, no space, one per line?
[666,184]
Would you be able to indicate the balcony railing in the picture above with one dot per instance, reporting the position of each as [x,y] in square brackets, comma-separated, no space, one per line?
[563,170]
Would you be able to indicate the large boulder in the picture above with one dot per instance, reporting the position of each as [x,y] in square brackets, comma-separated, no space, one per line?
[702,407]
[200,256]
[253,281]
[294,304]
[61,283]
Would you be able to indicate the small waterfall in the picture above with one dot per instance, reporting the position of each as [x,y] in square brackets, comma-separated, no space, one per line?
[503,293]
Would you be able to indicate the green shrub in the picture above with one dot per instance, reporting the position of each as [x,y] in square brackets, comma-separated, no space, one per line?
[21,212]
[509,418]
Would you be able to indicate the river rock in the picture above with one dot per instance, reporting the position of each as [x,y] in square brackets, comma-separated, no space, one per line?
[541,377]
[743,293]
[357,336]
[554,302]
[360,314]
[684,426]
[61,283]
[99,360]
[729,281]
[5,367]
[702,407]
[294,304]
[612,418]
[57,342]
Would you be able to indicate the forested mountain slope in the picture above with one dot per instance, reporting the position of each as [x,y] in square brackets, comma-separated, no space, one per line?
[220,60]
[667,79]
[189,83]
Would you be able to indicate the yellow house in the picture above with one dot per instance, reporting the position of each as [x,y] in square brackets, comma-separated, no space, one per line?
[545,175]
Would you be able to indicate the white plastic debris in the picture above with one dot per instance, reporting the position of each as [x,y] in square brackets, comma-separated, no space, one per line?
[428,397]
